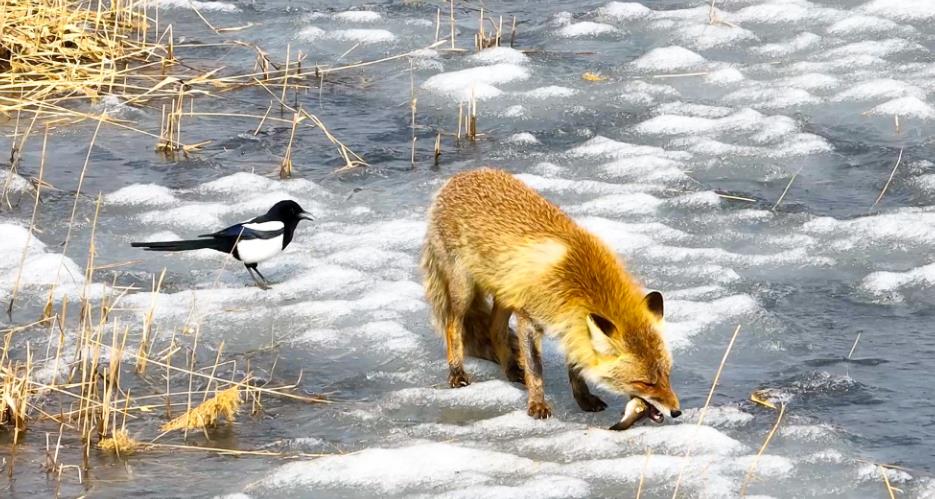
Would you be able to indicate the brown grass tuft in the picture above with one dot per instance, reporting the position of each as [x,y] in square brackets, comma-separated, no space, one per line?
[225,403]
[120,443]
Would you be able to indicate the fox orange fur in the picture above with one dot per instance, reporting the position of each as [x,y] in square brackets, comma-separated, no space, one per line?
[491,236]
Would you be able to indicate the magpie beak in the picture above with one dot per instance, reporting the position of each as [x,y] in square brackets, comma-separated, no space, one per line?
[251,242]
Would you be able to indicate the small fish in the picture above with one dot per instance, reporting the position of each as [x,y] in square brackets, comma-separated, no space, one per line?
[636,410]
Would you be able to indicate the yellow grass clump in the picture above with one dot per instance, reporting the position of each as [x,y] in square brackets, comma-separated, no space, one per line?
[14,394]
[53,51]
[225,403]
[120,443]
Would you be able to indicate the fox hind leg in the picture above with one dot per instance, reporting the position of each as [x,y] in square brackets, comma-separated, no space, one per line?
[450,295]
[460,295]
[505,347]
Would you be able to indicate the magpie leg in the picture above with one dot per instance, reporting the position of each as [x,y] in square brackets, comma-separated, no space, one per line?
[260,284]
[268,285]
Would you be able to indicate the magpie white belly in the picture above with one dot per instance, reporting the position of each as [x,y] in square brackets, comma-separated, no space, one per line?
[257,250]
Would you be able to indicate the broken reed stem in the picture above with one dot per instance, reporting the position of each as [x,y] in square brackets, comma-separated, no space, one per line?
[460,119]
[890,179]
[752,469]
[74,209]
[145,340]
[704,409]
[438,148]
[784,191]
[452,19]
[854,346]
[32,226]
[272,391]
[285,168]
[513,33]
[285,78]
[412,101]
[472,119]
[886,481]
[639,488]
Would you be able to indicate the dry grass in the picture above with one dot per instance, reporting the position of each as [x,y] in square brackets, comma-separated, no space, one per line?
[224,404]
[120,444]
[704,410]
[60,56]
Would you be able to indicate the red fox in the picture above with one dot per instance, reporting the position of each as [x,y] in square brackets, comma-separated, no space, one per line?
[491,236]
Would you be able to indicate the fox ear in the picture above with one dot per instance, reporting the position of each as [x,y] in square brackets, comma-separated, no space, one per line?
[600,329]
[654,303]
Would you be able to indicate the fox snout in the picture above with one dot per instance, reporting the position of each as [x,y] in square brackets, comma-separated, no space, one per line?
[663,399]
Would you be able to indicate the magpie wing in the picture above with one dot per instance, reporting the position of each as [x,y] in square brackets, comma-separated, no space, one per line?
[250,230]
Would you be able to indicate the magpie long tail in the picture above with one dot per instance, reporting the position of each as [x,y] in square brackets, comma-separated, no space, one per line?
[192,244]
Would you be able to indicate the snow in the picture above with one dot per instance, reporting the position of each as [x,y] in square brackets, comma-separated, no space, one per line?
[883,283]
[908,107]
[203,6]
[477,81]
[551,92]
[901,10]
[624,11]
[670,58]
[499,55]
[141,194]
[358,16]
[359,35]
[399,470]
[525,138]
[585,29]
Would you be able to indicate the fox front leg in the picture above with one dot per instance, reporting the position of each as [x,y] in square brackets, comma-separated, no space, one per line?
[583,396]
[531,359]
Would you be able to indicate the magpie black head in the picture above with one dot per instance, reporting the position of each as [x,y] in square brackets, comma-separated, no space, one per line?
[288,212]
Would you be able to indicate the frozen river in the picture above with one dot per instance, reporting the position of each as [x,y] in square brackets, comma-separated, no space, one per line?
[732,157]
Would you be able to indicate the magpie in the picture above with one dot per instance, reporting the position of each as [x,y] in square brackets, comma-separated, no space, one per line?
[251,242]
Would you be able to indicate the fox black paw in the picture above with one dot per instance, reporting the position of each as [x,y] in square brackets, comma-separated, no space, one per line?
[457,379]
[591,403]
[539,410]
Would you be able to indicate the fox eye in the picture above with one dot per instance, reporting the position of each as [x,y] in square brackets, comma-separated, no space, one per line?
[643,383]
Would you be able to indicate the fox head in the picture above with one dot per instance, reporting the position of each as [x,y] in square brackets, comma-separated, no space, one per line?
[631,357]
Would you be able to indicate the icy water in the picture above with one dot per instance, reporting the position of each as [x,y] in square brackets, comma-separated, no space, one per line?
[676,157]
